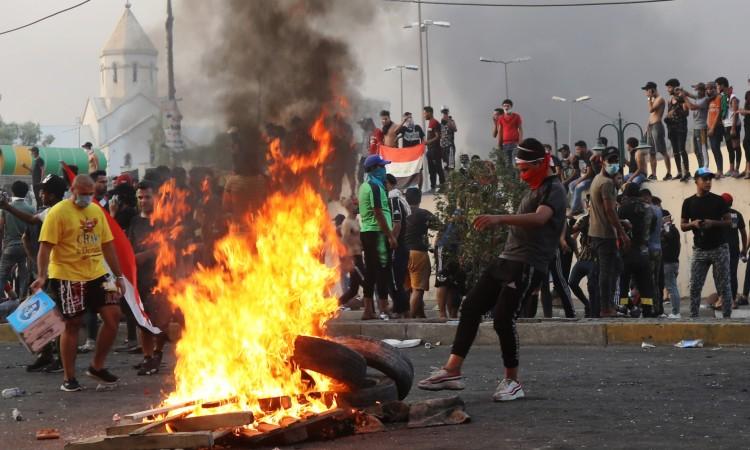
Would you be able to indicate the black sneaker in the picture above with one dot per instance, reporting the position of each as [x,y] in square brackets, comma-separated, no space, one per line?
[149,367]
[70,385]
[141,364]
[667,177]
[102,375]
[55,367]
[41,362]
[651,177]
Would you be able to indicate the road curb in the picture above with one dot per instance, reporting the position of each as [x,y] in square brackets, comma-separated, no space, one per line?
[539,332]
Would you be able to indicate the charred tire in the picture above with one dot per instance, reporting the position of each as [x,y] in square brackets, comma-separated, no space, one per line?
[331,359]
[382,389]
[385,358]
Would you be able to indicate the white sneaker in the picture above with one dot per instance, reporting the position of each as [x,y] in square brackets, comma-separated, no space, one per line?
[440,380]
[89,346]
[674,316]
[508,390]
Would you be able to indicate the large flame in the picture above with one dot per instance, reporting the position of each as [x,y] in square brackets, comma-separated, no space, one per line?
[270,285]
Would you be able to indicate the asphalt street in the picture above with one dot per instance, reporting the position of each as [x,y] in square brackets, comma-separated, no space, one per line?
[577,397]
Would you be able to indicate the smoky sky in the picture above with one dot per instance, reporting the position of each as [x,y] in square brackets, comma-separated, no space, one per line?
[607,53]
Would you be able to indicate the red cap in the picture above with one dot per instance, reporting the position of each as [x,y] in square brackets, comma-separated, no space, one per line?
[727,197]
[125,178]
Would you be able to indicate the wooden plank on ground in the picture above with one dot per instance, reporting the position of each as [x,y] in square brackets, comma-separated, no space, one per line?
[146,442]
[124,429]
[213,421]
[149,427]
[165,409]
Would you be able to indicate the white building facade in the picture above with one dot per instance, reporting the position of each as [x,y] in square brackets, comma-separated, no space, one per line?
[121,120]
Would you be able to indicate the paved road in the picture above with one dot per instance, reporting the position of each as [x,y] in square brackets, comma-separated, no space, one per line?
[577,397]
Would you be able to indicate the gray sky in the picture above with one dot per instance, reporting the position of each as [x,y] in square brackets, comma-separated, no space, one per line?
[50,69]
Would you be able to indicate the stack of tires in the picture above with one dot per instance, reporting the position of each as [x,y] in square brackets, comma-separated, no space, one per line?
[347,359]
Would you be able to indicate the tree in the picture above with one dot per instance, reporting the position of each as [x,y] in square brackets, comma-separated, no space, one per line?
[29,133]
[489,187]
[48,140]
[8,133]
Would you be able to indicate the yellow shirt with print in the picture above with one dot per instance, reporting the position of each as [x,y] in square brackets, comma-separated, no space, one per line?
[77,235]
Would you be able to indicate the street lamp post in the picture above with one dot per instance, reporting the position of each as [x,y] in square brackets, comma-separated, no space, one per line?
[505,64]
[401,68]
[620,129]
[554,133]
[424,25]
[570,114]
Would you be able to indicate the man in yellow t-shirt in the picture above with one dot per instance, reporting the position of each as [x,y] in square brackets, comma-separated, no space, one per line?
[74,243]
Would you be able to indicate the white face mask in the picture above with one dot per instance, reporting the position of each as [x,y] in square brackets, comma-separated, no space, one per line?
[410,122]
[83,200]
[507,109]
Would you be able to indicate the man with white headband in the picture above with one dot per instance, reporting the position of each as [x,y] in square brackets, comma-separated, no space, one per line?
[533,235]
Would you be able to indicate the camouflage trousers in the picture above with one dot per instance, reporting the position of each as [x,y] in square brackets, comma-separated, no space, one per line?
[718,260]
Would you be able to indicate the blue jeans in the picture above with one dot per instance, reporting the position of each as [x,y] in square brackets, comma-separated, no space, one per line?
[578,188]
[14,255]
[509,151]
[671,271]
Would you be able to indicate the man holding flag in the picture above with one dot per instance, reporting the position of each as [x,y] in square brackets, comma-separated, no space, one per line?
[75,241]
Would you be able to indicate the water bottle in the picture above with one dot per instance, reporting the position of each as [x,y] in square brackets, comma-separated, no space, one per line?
[13,392]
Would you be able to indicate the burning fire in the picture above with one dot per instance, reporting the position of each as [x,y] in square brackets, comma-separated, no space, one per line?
[270,285]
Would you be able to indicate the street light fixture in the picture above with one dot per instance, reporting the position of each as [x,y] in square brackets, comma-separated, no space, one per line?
[570,113]
[401,68]
[505,64]
[424,27]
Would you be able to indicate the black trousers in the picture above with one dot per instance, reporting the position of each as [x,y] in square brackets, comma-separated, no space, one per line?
[636,268]
[377,274]
[502,288]
[607,269]
[560,283]
[435,167]
[715,142]
[400,272]
[678,139]
[356,277]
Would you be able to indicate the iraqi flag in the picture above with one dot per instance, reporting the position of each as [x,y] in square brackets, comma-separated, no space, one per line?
[406,164]
[126,258]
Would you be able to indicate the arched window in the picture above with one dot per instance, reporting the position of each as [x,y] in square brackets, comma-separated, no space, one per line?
[135,72]
[128,160]
[114,72]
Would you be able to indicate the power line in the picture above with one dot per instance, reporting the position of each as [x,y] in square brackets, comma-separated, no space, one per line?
[44,18]
[527,5]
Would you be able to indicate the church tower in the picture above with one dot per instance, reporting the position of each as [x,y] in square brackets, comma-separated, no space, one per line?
[128,62]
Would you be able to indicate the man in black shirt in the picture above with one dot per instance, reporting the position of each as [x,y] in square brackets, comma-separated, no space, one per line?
[735,233]
[419,222]
[533,235]
[639,217]
[140,235]
[447,139]
[37,173]
[411,134]
[400,211]
[707,216]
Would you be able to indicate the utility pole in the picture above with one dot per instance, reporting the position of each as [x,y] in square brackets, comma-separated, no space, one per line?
[421,58]
[172,117]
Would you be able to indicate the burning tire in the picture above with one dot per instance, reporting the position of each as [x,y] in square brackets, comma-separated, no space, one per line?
[382,389]
[385,358]
[331,359]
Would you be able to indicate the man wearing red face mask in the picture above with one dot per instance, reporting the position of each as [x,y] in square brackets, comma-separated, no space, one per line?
[534,232]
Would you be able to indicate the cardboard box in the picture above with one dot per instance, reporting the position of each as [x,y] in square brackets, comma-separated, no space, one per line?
[37,321]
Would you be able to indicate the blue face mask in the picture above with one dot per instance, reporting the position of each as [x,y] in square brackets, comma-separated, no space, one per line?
[378,173]
[612,168]
[83,201]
